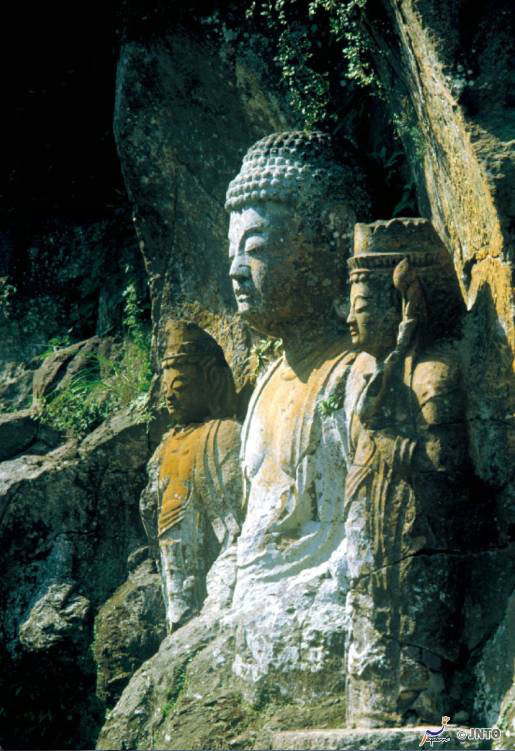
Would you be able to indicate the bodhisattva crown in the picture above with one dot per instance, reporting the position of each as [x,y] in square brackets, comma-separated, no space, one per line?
[381,245]
[186,341]
[384,250]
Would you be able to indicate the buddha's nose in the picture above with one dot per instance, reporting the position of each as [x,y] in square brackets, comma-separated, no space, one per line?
[239,270]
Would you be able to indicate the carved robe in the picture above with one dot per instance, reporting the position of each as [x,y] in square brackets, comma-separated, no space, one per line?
[192,509]
[406,506]
[291,568]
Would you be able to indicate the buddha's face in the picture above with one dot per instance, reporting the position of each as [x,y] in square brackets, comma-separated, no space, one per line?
[272,267]
[373,319]
[183,384]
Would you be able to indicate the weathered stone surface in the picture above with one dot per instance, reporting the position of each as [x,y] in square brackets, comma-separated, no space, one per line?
[191,507]
[281,634]
[447,78]
[129,628]
[186,697]
[288,242]
[410,516]
[17,431]
[494,673]
[57,614]
[456,120]
[69,519]
[388,739]
[18,361]
[178,96]
[316,576]
[61,367]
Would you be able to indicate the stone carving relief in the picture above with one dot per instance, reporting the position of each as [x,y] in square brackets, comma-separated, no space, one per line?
[191,506]
[326,561]
[292,209]
[407,500]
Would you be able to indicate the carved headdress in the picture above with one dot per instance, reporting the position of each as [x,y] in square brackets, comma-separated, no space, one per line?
[408,254]
[187,342]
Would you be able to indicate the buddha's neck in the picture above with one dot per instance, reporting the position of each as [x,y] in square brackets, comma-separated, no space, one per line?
[306,337]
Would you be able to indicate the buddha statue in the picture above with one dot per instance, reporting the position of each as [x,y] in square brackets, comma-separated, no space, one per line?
[191,505]
[292,209]
[407,492]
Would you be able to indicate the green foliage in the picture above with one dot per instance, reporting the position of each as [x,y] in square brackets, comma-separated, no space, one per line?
[320,45]
[333,403]
[177,688]
[105,385]
[391,163]
[329,406]
[264,353]
[77,408]
[55,343]
[407,128]
[346,26]
[7,291]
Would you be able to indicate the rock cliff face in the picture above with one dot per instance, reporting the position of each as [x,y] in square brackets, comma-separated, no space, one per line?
[446,75]
[69,523]
[177,97]
[82,627]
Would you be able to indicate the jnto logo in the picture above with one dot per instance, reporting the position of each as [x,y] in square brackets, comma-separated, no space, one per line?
[435,736]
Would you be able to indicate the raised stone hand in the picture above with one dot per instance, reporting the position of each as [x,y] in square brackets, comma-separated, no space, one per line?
[372,397]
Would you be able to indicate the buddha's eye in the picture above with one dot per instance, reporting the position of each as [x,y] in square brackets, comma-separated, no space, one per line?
[254,244]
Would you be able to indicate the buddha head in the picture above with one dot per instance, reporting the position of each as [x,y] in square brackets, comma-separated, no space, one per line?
[197,382]
[292,208]
[400,270]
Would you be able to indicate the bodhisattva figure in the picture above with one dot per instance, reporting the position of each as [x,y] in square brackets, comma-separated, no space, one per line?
[292,210]
[408,509]
[191,507]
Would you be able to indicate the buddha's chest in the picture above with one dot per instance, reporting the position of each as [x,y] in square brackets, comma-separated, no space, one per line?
[279,426]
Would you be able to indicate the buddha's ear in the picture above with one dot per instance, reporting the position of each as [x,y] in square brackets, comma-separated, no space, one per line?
[341,307]
[213,377]
[214,387]
[220,390]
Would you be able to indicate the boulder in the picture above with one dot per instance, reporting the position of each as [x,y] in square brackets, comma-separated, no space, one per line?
[129,627]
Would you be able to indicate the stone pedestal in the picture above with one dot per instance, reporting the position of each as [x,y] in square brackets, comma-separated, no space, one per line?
[378,738]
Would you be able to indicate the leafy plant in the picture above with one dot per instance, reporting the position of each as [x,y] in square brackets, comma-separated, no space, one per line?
[55,343]
[320,45]
[105,385]
[329,406]
[265,352]
[7,291]
[333,403]
[77,408]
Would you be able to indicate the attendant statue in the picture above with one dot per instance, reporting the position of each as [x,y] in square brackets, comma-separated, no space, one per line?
[292,210]
[407,493]
[191,506]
